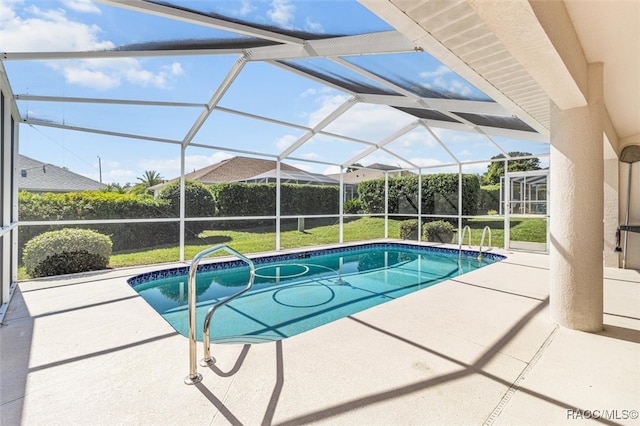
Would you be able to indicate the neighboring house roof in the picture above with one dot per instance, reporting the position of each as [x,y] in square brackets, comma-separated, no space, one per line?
[300,177]
[36,176]
[234,169]
[237,169]
[374,171]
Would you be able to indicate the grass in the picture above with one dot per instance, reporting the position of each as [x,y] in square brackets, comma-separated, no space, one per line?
[521,229]
[317,232]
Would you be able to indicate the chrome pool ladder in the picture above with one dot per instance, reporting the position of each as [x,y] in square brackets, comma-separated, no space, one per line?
[486,228]
[464,230]
[195,377]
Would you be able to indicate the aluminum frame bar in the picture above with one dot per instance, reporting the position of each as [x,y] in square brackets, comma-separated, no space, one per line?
[202,19]
[219,93]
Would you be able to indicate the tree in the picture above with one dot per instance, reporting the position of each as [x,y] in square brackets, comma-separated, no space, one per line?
[115,187]
[496,168]
[148,179]
[354,167]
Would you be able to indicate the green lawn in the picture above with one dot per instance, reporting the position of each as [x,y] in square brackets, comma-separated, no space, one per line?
[317,232]
[521,229]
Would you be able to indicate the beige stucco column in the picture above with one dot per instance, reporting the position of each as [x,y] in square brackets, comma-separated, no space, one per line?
[577,197]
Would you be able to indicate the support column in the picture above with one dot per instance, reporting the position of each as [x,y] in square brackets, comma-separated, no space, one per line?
[577,197]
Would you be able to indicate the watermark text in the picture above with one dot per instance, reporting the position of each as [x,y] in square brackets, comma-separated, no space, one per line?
[605,414]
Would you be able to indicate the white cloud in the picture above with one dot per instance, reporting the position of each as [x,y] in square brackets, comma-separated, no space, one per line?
[331,170]
[52,30]
[476,168]
[282,13]
[368,122]
[327,105]
[47,30]
[84,6]
[89,78]
[285,142]
[312,26]
[173,69]
[307,167]
[104,74]
[118,174]
[443,78]
[245,8]
[425,162]
[310,156]
[439,72]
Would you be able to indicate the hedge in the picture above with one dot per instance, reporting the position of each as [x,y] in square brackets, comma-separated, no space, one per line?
[96,205]
[489,199]
[259,199]
[439,194]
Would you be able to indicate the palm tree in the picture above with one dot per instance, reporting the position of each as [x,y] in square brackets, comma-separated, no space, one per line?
[115,187]
[148,179]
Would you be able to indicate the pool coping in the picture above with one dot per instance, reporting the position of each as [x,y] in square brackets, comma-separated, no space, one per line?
[223,263]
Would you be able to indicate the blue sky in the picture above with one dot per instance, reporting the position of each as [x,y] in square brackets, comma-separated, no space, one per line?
[261,89]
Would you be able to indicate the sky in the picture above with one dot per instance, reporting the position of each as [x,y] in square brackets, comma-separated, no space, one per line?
[261,89]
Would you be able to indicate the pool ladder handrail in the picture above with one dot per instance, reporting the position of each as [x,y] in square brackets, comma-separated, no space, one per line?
[195,377]
[464,230]
[486,228]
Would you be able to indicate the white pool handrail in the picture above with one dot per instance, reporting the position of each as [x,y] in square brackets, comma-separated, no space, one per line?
[195,377]
[464,230]
[486,228]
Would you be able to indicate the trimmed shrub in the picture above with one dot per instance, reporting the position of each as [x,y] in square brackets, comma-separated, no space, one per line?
[353,206]
[409,229]
[198,203]
[438,231]
[198,199]
[66,251]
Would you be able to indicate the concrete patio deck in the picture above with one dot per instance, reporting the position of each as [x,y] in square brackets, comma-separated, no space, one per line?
[478,349]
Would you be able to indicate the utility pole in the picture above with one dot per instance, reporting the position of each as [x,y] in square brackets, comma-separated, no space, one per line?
[100,168]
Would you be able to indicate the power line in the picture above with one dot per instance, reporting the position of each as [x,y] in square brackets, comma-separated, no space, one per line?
[61,146]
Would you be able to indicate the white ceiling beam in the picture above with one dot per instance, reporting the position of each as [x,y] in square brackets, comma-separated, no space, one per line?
[105,101]
[201,19]
[495,131]
[492,142]
[311,77]
[361,44]
[222,89]
[451,105]
[372,76]
[102,54]
[406,129]
[35,122]
[262,118]
[399,157]
[318,127]
[234,150]
[437,139]
[374,43]
[6,86]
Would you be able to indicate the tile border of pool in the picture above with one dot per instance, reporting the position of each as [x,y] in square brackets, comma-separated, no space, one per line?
[260,259]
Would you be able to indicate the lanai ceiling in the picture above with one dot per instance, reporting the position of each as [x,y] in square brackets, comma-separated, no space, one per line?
[380,56]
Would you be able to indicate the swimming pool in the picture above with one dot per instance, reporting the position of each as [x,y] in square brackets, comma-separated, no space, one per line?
[293,293]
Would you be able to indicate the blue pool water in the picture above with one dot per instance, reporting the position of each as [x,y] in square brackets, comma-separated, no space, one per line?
[297,292]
